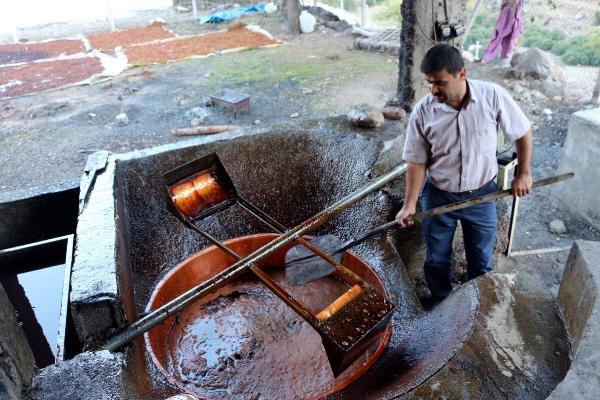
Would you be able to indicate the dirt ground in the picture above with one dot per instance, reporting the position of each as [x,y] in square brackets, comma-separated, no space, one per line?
[46,138]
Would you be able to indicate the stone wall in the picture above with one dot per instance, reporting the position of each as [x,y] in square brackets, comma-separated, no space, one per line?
[16,359]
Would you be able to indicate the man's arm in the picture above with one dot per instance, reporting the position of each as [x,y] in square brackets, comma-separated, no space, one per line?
[521,185]
[415,175]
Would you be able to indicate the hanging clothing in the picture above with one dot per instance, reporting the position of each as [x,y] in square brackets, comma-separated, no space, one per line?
[508,29]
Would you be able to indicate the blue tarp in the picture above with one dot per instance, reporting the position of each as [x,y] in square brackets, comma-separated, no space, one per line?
[232,13]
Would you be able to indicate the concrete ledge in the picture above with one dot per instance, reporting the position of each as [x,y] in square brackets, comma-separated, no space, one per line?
[95,303]
[579,304]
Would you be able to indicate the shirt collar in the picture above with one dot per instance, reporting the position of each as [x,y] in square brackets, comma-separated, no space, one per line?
[473,98]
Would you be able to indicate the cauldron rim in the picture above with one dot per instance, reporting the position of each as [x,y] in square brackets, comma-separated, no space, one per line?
[376,281]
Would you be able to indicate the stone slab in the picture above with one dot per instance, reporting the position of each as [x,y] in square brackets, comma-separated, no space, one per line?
[16,358]
[579,302]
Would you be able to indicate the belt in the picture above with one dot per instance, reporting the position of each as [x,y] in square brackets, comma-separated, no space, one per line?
[474,190]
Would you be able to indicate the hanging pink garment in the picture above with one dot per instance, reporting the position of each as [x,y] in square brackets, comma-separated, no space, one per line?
[508,29]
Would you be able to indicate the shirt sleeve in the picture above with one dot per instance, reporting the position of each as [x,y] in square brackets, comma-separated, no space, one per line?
[416,147]
[510,117]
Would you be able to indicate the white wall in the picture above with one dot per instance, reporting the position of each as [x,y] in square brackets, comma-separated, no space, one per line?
[27,13]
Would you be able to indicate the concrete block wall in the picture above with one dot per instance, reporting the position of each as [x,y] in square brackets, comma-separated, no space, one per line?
[581,154]
[579,302]
[16,358]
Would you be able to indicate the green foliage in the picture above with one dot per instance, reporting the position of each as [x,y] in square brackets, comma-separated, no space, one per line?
[387,13]
[560,47]
[542,38]
[578,50]
[583,50]
[483,29]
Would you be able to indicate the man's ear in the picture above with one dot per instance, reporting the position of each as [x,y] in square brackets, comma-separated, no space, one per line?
[462,74]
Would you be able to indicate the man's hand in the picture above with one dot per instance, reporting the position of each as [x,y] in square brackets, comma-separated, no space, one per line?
[403,216]
[521,185]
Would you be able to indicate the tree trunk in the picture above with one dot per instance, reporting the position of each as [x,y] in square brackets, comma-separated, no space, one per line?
[293,16]
[416,37]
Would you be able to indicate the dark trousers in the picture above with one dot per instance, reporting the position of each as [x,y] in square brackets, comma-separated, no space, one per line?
[479,224]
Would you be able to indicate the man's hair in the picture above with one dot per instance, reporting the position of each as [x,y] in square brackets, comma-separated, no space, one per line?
[442,56]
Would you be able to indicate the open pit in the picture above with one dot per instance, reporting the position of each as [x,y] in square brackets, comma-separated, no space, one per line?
[487,340]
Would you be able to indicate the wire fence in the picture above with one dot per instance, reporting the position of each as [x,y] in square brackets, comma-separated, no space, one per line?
[568,30]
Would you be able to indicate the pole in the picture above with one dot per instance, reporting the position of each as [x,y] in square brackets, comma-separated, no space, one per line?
[473,18]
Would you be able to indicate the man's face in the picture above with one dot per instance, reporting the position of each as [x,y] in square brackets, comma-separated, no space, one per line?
[446,87]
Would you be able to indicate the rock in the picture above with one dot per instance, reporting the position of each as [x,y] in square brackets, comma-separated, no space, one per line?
[182,9]
[550,87]
[395,113]
[122,119]
[534,63]
[547,111]
[198,112]
[89,375]
[557,226]
[389,156]
[365,116]
[518,88]
[195,121]
[208,74]
[295,115]
[178,100]
[526,96]
[539,96]
[257,122]
[307,91]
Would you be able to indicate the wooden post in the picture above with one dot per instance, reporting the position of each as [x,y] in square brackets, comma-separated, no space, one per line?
[417,37]
[194,9]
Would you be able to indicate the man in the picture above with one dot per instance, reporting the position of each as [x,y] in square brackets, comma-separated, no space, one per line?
[450,148]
